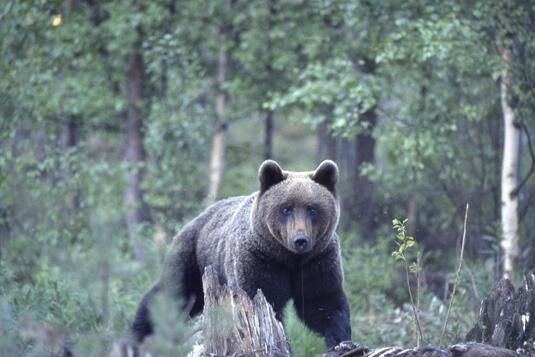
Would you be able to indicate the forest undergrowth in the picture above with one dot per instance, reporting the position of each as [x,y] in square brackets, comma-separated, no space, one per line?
[89,306]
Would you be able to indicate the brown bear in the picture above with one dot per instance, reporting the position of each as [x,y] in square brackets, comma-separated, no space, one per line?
[280,239]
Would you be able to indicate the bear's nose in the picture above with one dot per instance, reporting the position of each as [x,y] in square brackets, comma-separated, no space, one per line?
[301,243]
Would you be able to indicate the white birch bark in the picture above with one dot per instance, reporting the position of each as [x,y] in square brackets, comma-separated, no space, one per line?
[509,213]
[217,153]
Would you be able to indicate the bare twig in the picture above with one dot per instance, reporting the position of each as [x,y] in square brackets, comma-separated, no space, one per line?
[456,282]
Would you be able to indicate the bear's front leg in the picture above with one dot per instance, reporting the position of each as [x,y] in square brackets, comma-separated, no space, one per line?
[320,301]
[326,314]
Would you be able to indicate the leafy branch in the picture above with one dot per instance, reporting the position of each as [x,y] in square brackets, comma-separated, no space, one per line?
[405,243]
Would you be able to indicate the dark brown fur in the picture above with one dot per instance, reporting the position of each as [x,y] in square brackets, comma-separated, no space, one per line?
[280,239]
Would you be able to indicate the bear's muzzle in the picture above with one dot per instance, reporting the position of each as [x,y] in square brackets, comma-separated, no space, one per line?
[301,243]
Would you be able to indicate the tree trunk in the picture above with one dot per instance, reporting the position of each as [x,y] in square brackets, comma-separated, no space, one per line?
[363,208]
[345,151]
[411,215]
[326,145]
[363,200]
[68,140]
[511,157]
[217,158]
[268,136]
[270,74]
[135,210]
[217,153]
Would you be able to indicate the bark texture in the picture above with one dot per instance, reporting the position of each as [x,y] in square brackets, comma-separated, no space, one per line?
[269,123]
[135,210]
[507,317]
[68,140]
[365,208]
[234,325]
[470,349]
[327,144]
[268,136]
[217,153]
[509,178]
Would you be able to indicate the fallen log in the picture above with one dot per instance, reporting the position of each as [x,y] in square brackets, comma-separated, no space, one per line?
[471,349]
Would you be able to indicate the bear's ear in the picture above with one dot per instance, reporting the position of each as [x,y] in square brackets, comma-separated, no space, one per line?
[270,173]
[326,175]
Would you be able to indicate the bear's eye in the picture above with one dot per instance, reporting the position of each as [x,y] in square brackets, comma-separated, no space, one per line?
[312,212]
[287,210]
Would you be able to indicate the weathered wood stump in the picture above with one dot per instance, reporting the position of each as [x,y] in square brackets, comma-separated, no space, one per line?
[507,317]
[235,325]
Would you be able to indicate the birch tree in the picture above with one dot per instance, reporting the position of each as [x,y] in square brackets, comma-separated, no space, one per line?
[509,177]
[217,153]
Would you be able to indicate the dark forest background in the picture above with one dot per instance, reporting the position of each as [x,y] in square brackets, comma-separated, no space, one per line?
[121,120]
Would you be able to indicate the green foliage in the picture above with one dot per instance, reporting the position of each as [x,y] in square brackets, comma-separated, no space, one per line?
[429,71]
[380,314]
[403,241]
[172,332]
[334,84]
[376,274]
[303,342]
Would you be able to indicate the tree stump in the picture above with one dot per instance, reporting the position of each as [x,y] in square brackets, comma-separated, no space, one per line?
[507,317]
[235,325]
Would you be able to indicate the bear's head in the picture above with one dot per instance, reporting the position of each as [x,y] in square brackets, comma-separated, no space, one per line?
[300,210]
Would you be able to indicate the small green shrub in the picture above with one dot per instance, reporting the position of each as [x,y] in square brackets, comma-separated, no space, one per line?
[303,342]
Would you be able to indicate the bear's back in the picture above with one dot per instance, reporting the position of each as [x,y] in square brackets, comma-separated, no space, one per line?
[222,214]
[220,226]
